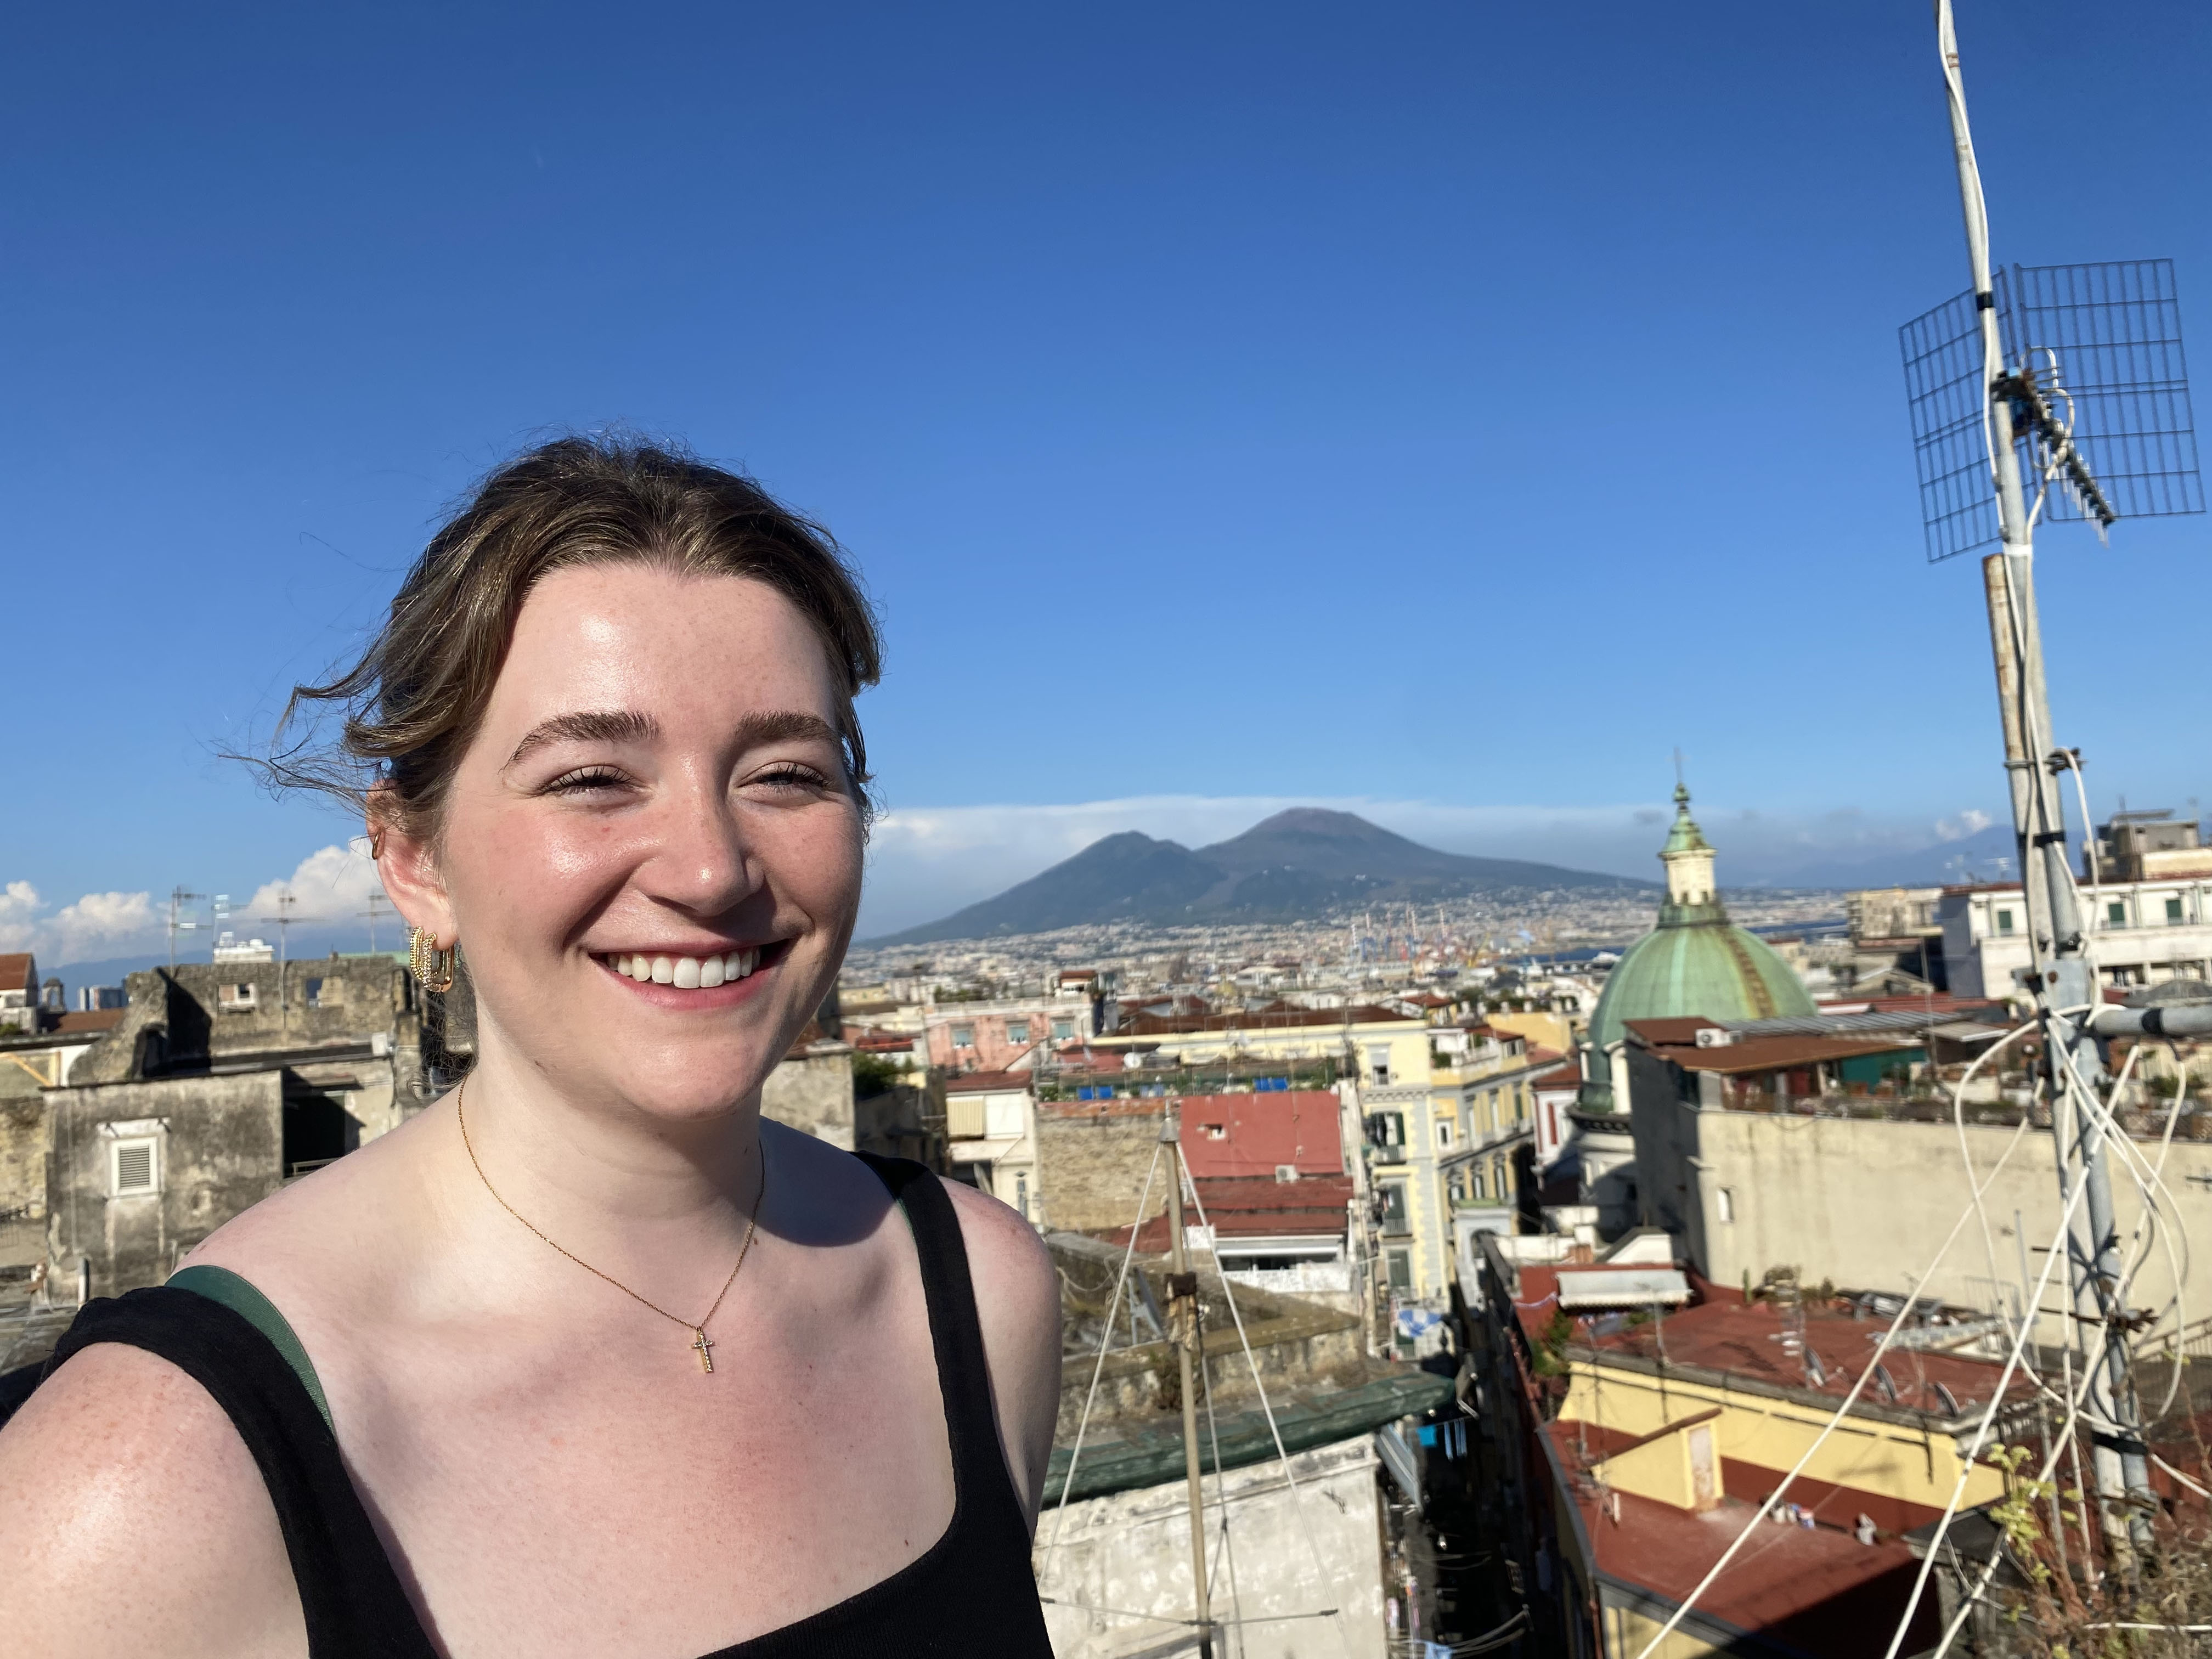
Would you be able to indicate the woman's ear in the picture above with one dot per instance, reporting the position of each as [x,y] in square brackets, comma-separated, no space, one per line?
[408,866]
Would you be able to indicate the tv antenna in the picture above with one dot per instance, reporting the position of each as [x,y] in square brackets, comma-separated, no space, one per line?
[379,908]
[282,921]
[2052,392]
[179,923]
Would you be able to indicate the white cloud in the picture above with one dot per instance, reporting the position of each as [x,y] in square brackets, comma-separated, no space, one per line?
[330,885]
[104,924]
[97,924]
[19,904]
[1971,822]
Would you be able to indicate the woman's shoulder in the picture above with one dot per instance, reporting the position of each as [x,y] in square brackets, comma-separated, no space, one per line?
[133,1519]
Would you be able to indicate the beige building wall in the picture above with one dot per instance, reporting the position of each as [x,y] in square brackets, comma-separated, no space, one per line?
[1867,1203]
[1091,1159]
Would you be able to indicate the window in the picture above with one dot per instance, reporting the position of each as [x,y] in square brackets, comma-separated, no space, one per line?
[1021,1196]
[2116,915]
[314,993]
[1062,1030]
[1494,1119]
[2173,911]
[1018,1031]
[963,1037]
[1378,1063]
[133,1169]
[1443,1134]
[1215,1131]
[1476,1184]
[236,998]
[1393,1207]
[1386,1128]
[1398,1264]
[1520,1103]
[1727,1203]
[2004,921]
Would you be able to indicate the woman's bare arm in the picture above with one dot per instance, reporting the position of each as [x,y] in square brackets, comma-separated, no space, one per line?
[1017,1301]
[134,1522]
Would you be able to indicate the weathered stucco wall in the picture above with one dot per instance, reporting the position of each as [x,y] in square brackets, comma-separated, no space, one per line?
[1091,1159]
[1131,1552]
[1867,1203]
[219,1151]
[812,1091]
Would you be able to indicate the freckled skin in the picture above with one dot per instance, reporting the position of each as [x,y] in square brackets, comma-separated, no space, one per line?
[543,1455]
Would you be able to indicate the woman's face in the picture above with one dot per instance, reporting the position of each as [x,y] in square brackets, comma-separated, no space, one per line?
[651,853]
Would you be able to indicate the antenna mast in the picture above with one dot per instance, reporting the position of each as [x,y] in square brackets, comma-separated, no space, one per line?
[2061,975]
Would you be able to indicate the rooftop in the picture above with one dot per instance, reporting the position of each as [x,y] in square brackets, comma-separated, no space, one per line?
[1723,1334]
[986,1083]
[1815,1590]
[1256,1134]
[1270,1019]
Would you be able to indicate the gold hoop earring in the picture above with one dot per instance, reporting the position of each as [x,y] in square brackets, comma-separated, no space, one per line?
[433,967]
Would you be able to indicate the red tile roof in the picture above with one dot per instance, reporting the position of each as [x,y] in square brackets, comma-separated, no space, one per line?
[1258,1132]
[1722,1332]
[1564,1077]
[17,974]
[93,1019]
[1814,1590]
[1775,1054]
[1258,1209]
[984,1083]
[1270,1019]
[1674,1028]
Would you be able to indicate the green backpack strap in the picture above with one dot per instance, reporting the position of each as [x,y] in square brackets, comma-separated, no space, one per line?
[220,1284]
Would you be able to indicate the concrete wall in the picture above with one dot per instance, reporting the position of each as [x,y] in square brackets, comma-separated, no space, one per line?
[220,1150]
[811,1089]
[1867,1203]
[1091,1159]
[1291,1554]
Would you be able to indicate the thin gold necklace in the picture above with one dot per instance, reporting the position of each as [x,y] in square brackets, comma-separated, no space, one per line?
[701,1343]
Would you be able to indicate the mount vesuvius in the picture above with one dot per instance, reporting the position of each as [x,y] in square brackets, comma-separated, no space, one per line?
[1296,865]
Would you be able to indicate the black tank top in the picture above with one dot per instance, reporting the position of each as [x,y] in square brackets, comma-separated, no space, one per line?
[971,1594]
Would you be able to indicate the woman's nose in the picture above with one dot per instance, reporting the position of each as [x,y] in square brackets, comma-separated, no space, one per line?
[703,862]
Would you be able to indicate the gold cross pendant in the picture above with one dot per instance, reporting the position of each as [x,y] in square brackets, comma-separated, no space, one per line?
[703,1345]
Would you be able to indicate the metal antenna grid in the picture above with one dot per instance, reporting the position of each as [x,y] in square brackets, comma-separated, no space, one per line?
[2099,344]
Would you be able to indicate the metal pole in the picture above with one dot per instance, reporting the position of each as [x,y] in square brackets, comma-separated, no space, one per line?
[2061,975]
[1182,1317]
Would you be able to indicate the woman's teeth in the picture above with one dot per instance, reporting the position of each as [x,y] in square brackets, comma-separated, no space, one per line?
[687,973]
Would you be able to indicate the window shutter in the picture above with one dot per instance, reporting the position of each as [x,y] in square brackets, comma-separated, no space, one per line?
[134,1167]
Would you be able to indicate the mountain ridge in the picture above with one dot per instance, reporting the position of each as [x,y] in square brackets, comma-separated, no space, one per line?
[1295,866]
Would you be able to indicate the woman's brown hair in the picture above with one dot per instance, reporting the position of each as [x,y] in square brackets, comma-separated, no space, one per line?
[414,700]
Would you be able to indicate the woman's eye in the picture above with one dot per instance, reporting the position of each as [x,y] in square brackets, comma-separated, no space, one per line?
[790,775]
[585,780]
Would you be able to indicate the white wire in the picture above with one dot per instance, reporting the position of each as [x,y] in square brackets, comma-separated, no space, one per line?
[1105,1340]
[1298,1494]
[1842,1410]
[1989,1417]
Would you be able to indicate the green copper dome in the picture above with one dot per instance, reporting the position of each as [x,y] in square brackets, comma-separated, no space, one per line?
[1695,961]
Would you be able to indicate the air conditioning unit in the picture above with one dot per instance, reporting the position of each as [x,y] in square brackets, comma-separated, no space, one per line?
[1715,1036]
[1286,1172]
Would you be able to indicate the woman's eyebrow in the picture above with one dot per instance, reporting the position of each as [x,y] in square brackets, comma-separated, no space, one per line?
[783,726]
[588,726]
[630,725]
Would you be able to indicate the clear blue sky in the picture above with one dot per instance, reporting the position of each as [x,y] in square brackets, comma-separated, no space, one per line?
[1445,404]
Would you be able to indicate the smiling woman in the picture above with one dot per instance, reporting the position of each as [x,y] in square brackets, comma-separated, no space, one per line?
[587,1356]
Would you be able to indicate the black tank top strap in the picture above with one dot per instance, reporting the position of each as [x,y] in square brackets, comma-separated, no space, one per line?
[963,1372]
[355,1606]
